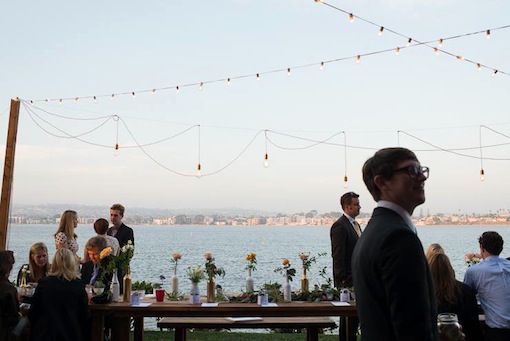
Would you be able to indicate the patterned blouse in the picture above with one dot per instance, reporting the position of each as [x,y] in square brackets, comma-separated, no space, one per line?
[70,243]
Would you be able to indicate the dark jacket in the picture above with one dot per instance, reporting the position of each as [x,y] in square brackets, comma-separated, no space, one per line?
[343,240]
[9,308]
[395,296]
[60,310]
[124,234]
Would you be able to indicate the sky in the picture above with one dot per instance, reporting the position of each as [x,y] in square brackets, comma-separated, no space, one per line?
[316,125]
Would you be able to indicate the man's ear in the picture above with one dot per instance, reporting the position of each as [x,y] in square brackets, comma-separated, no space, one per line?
[380,182]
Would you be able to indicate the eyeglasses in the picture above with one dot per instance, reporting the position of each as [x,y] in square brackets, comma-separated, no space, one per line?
[414,171]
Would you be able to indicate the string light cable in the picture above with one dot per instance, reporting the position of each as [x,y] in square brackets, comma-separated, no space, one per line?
[382,28]
[287,70]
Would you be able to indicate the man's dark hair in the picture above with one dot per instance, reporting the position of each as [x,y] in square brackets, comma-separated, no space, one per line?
[492,242]
[6,262]
[346,199]
[383,163]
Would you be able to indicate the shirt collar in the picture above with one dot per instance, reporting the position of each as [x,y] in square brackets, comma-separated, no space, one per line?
[400,211]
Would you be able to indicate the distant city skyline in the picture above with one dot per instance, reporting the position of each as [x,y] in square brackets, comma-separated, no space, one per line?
[223,84]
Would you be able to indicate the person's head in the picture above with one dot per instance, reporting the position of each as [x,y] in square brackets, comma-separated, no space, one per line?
[6,262]
[116,214]
[443,277]
[94,247]
[38,257]
[64,265]
[68,222]
[101,226]
[491,244]
[350,204]
[395,174]
[432,250]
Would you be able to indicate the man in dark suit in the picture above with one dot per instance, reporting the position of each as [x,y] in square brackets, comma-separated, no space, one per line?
[394,292]
[122,232]
[344,234]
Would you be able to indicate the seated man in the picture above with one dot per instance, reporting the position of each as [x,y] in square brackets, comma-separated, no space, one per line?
[491,280]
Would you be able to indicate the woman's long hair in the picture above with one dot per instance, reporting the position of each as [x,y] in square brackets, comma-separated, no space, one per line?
[444,279]
[31,263]
[64,265]
[67,224]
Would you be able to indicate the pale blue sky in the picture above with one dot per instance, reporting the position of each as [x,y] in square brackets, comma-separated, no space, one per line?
[65,49]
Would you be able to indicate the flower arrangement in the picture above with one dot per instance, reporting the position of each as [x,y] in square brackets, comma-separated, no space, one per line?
[252,261]
[286,269]
[109,262]
[175,259]
[210,267]
[195,274]
[124,258]
[472,258]
[308,261]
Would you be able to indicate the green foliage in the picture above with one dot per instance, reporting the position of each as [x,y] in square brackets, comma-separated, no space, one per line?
[147,286]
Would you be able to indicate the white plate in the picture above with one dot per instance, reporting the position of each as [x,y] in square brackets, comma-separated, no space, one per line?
[150,295]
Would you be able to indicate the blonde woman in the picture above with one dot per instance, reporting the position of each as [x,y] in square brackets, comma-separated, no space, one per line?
[59,308]
[38,265]
[433,249]
[65,237]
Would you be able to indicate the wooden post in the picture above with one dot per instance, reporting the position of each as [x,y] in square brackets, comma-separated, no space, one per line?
[10,149]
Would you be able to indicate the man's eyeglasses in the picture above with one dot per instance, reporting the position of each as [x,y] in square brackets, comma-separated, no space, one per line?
[414,171]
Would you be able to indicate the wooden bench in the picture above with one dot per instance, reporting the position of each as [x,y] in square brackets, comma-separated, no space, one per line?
[312,324]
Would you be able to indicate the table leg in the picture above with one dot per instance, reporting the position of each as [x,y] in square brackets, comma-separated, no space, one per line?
[312,334]
[120,328]
[138,334]
[180,334]
[97,327]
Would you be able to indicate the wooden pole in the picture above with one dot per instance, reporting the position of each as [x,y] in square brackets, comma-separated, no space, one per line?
[10,149]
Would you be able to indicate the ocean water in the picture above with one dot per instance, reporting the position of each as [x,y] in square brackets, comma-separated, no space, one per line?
[154,246]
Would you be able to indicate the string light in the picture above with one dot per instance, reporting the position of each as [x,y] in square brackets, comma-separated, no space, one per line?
[113,96]
[133,94]
[488,34]
[409,41]
[258,76]
[266,157]
[177,90]
[321,67]
[495,72]
[478,66]
[440,42]
[116,150]
[460,57]
[95,99]
[381,30]
[288,71]
[482,175]
[482,172]
[228,81]
[397,51]
[153,91]
[199,170]
[351,17]
[358,58]
[436,51]
[201,86]
[75,100]
[60,101]
[345,160]
[346,184]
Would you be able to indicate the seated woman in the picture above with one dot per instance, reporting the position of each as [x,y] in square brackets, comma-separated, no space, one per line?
[455,297]
[94,267]
[9,304]
[37,266]
[59,308]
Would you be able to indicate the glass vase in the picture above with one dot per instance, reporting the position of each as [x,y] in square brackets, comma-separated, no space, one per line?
[287,293]
[211,291]
[194,294]
[174,284]
[115,287]
[304,281]
[249,282]
[126,295]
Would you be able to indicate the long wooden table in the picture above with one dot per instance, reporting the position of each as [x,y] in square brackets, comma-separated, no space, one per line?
[119,314]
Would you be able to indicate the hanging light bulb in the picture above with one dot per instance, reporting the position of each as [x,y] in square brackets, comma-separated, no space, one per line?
[201,86]
[397,51]
[440,42]
[95,99]
[60,101]
[351,17]
[116,150]
[482,175]
[228,81]
[177,90]
[288,71]
[436,51]
[409,41]
[381,30]
[199,170]
[488,34]
[321,67]
[358,58]
[75,100]
[460,57]
[478,66]
[345,182]
[495,72]
[266,160]
[133,94]
[153,91]
[113,96]
[46,100]
[258,76]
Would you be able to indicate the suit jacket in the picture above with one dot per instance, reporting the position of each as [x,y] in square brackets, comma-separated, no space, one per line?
[343,240]
[395,296]
[86,274]
[124,234]
[9,308]
[60,310]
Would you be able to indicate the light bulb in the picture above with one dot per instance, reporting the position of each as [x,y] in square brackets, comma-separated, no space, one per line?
[228,81]
[288,71]
[397,51]
[460,57]
[113,96]
[116,150]
[358,58]
[60,101]
[95,99]
[133,94]
[153,91]
[436,51]
[199,170]
[482,175]
[478,66]
[345,181]
[488,34]
[440,42]
[409,41]
[75,100]
[495,72]
[201,86]
[266,160]
[322,66]
[351,17]
[177,90]
[381,30]
[258,76]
